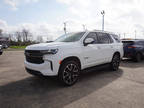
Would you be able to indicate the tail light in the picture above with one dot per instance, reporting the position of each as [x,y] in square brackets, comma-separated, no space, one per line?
[131,47]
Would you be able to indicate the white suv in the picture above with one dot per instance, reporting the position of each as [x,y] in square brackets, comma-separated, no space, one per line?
[73,52]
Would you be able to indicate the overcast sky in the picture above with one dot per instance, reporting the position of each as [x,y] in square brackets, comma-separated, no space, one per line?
[47,16]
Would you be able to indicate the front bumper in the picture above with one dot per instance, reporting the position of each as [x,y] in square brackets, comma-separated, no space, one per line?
[45,68]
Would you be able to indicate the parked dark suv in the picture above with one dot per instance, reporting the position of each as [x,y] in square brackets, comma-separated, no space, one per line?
[134,49]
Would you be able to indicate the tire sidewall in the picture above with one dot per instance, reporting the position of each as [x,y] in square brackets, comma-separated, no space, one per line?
[138,57]
[61,70]
[112,63]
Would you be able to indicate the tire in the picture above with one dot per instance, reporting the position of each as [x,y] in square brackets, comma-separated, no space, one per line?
[138,57]
[69,73]
[1,53]
[115,62]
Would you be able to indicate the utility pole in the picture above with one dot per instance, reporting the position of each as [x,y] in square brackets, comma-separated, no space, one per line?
[103,14]
[65,27]
[135,34]
[124,35]
[119,35]
[84,27]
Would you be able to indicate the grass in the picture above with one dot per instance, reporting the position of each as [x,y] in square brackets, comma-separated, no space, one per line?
[15,48]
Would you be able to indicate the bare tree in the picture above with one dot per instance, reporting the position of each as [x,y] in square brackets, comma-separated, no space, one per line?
[1,32]
[40,39]
[19,36]
[10,36]
[26,34]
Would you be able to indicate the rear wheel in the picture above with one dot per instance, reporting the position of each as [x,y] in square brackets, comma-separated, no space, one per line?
[69,72]
[138,57]
[115,62]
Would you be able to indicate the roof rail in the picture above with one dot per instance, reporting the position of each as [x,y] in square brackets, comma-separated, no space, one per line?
[103,31]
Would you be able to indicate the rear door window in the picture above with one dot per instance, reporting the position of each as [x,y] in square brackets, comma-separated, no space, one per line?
[103,38]
[116,38]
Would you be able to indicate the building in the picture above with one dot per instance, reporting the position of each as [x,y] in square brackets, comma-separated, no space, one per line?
[4,40]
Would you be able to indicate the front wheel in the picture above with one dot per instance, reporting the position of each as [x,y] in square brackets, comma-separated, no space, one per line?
[69,72]
[115,62]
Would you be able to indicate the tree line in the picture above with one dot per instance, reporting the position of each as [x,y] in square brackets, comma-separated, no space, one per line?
[23,38]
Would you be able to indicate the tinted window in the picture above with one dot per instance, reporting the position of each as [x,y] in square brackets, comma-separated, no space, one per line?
[71,37]
[140,42]
[127,43]
[92,35]
[116,38]
[103,38]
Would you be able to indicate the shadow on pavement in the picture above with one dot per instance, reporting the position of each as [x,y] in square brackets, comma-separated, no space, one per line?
[34,92]
[129,63]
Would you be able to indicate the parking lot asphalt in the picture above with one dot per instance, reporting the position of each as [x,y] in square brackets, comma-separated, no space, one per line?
[99,88]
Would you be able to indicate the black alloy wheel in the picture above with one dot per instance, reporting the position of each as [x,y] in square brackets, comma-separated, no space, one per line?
[138,57]
[115,62]
[69,72]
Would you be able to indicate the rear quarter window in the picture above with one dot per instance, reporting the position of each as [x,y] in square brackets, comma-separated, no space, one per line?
[117,39]
[103,38]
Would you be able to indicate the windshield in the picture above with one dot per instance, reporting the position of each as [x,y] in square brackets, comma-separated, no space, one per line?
[71,37]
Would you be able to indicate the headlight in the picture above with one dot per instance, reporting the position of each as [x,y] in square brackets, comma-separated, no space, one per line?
[50,51]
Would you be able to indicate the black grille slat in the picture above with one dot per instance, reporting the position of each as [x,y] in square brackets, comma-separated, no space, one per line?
[34,56]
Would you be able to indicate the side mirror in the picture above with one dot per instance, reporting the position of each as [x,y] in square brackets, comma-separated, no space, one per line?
[88,41]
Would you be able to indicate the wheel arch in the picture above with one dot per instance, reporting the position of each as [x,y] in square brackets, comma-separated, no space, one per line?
[117,52]
[75,58]
[140,52]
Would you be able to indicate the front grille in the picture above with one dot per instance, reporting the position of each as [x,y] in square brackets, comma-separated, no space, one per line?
[34,56]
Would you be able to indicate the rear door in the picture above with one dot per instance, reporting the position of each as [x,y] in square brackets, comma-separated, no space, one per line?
[105,46]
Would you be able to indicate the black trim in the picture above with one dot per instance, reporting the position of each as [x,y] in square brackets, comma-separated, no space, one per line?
[33,72]
[34,56]
[51,64]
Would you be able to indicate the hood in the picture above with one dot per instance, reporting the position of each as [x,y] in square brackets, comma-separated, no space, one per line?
[46,46]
